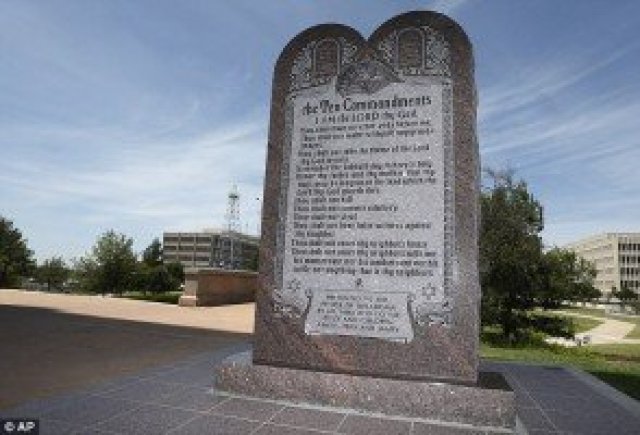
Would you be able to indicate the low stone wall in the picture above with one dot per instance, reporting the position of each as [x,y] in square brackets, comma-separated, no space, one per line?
[210,287]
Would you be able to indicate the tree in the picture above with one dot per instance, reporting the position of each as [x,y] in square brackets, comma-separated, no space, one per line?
[16,260]
[159,279]
[53,272]
[156,279]
[252,259]
[625,295]
[512,266]
[176,271]
[153,275]
[585,275]
[568,278]
[152,255]
[110,267]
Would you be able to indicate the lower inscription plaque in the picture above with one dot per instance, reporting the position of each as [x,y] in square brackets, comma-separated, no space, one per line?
[360,313]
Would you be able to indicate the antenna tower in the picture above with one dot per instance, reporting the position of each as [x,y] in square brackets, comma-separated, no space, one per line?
[233,210]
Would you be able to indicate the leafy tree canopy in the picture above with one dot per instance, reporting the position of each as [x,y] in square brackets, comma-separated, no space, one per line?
[625,294]
[510,253]
[159,279]
[53,272]
[176,271]
[153,275]
[568,278]
[152,255]
[110,267]
[16,260]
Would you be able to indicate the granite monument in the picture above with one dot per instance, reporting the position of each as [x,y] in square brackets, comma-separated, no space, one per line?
[368,292]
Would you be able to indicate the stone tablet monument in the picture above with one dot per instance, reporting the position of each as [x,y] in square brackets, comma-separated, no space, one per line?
[369,251]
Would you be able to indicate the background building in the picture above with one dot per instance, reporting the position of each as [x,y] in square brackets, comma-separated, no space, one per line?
[616,257]
[211,249]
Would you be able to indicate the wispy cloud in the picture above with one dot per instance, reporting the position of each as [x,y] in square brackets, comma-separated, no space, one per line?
[447,6]
[535,82]
[544,112]
[590,120]
[570,128]
[171,182]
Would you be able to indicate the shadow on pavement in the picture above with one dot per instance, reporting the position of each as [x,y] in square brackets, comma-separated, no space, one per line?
[46,351]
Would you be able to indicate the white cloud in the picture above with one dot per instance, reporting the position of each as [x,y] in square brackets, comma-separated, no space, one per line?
[177,181]
[537,81]
[447,6]
[565,127]
[542,114]
[570,129]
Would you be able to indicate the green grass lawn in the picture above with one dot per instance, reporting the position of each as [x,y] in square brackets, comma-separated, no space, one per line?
[596,312]
[635,333]
[167,298]
[618,365]
[617,352]
[582,324]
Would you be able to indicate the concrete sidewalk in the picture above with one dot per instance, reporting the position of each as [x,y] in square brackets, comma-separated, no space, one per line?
[229,318]
[52,343]
[178,398]
[609,332]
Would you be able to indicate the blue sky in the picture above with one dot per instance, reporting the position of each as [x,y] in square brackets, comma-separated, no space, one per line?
[139,116]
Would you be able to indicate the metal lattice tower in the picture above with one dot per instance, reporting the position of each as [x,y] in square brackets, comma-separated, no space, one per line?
[233,210]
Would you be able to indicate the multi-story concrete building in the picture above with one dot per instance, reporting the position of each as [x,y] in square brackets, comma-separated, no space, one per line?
[211,249]
[616,257]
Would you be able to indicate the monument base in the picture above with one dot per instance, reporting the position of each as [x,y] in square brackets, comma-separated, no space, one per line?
[490,406]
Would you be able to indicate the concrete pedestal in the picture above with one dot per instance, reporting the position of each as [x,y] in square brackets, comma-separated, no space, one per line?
[489,406]
[211,287]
